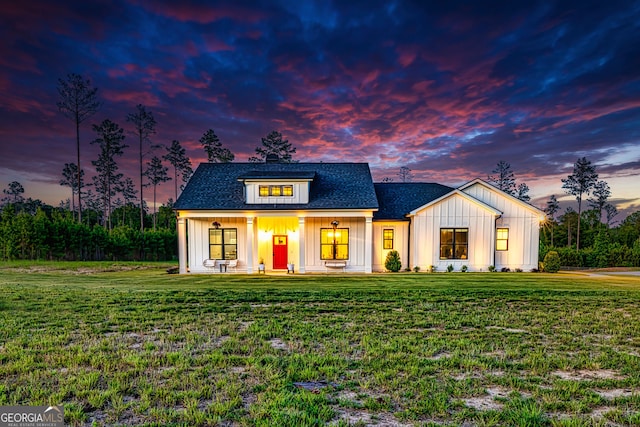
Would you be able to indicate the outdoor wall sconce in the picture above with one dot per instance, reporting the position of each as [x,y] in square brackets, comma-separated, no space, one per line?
[216,224]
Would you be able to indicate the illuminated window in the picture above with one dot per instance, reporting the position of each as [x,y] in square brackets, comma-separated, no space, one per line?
[502,239]
[334,245]
[223,243]
[275,190]
[454,243]
[387,238]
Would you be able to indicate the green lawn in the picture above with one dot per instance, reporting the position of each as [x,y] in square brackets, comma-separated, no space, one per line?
[128,344]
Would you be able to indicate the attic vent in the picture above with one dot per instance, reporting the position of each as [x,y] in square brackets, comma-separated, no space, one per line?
[272,158]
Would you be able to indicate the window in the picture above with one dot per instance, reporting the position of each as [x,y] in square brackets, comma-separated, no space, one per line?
[334,245]
[502,239]
[275,190]
[387,238]
[454,243]
[223,243]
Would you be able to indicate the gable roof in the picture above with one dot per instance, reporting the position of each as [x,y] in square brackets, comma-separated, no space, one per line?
[397,199]
[219,186]
[502,193]
[465,196]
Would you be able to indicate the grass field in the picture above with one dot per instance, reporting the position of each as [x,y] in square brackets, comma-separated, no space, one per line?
[128,344]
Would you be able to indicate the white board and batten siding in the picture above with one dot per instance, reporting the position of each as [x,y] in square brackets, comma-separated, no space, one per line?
[356,226]
[400,243]
[300,194]
[453,212]
[523,222]
[198,248]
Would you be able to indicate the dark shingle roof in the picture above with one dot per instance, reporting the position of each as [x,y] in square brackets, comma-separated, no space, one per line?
[215,186]
[396,199]
[277,175]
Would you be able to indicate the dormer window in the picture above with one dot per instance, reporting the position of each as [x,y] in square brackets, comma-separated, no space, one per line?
[275,190]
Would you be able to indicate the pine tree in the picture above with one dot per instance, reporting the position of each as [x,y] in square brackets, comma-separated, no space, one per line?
[157,174]
[552,208]
[70,179]
[176,155]
[601,193]
[580,182]
[405,174]
[78,102]
[504,178]
[274,144]
[110,139]
[216,153]
[523,189]
[14,193]
[144,126]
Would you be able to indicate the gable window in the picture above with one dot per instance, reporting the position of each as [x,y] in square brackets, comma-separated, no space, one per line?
[387,238]
[275,190]
[502,239]
[454,243]
[223,243]
[334,244]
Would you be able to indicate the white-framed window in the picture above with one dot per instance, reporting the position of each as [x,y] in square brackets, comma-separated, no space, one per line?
[502,239]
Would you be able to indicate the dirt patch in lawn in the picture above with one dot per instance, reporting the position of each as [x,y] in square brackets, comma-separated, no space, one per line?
[278,344]
[617,392]
[589,375]
[360,417]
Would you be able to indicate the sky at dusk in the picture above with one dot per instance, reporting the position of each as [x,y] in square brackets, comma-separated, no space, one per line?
[447,88]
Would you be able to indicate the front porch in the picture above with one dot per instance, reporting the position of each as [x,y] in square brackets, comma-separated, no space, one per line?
[280,243]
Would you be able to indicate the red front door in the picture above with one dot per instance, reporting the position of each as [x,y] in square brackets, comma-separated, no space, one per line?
[280,252]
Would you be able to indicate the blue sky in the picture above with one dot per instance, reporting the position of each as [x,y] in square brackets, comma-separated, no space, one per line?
[445,88]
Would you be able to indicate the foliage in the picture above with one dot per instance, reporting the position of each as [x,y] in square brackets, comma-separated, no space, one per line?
[110,139]
[523,189]
[144,126]
[551,263]
[78,101]
[13,193]
[491,268]
[580,182]
[392,262]
[405,174]
[216,153]
[274,144]
[464,268]
[157,174]
[416,269]
[70,179]
[177,156]
[449,268]
[504,179]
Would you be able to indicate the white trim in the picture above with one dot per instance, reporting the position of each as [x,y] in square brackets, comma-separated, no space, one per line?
[502,193]
[458,193]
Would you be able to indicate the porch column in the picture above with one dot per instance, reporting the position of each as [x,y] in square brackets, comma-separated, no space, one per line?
[182,245]
[301,248]
[368,242]
[250,243]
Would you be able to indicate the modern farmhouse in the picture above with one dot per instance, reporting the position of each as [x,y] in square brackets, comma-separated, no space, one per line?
[319,217]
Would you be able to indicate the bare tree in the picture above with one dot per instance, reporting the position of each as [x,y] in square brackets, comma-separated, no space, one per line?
[144,126]
[78,102]
[176,155]
[581,181]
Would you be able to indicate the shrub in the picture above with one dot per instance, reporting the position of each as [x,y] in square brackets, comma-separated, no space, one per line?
[416,269]
[433,269]
[491,268]
[518,270]
[449,268]
[551,262]
[505,269]
[392,263]
[464,268]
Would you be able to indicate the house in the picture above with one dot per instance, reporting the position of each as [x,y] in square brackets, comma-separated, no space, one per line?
[319,217]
